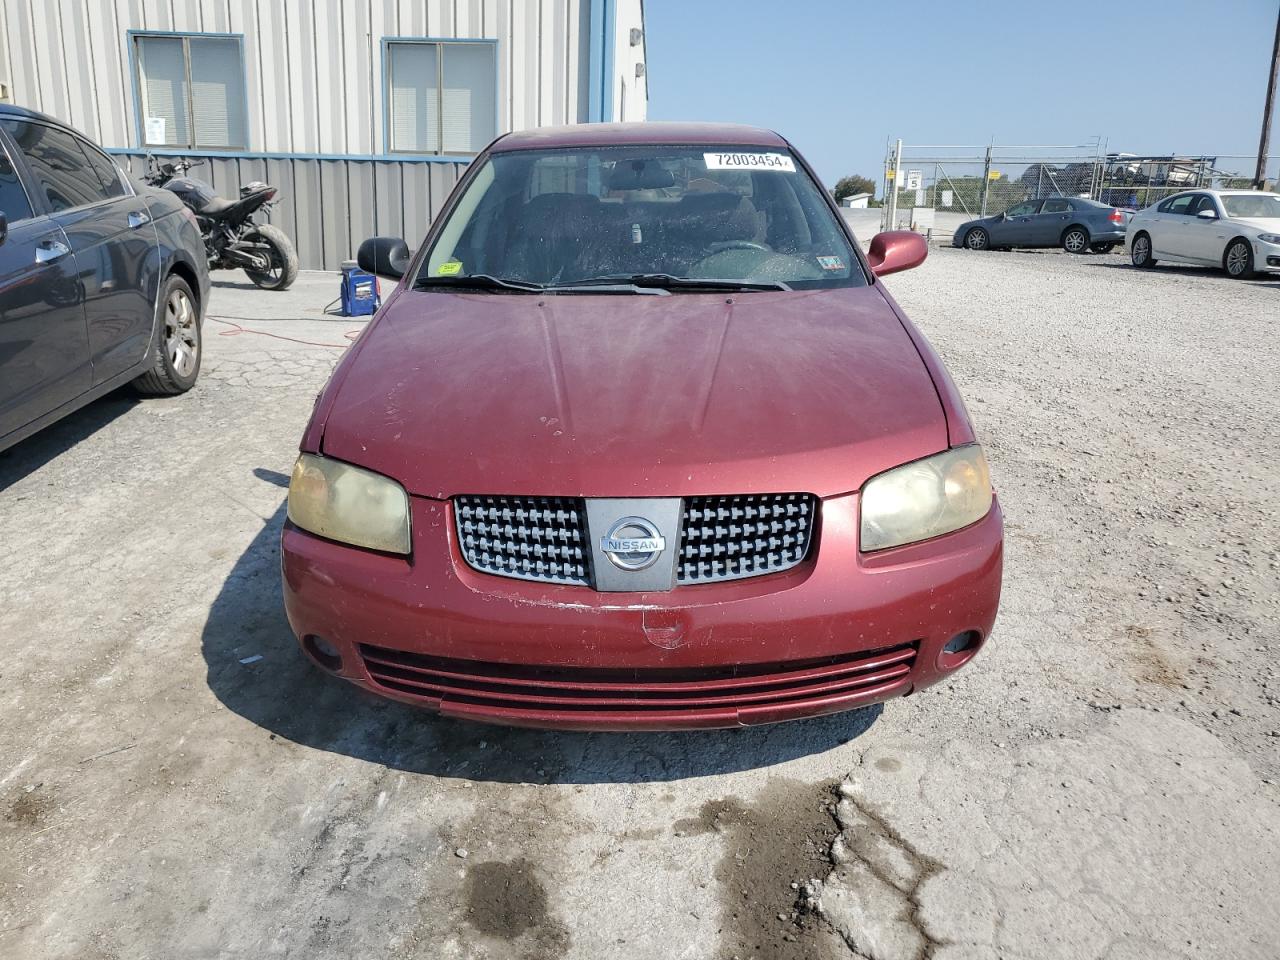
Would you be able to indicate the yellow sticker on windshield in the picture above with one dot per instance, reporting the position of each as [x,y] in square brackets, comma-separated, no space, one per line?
[449,268]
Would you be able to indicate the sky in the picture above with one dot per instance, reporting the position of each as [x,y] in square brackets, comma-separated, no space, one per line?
[841,79]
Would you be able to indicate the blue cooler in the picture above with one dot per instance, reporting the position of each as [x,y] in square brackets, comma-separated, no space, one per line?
[359,291]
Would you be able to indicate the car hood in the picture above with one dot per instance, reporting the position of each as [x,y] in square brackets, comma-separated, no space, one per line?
[603,395]
[1264,224]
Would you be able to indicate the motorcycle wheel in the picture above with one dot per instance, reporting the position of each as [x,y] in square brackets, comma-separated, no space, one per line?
[284,259]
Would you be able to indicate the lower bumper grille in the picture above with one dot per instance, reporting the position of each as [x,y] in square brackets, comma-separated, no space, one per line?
[534,692]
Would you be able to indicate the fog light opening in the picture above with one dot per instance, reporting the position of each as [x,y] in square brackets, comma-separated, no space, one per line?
[962,642]
[960,649]
[324,653]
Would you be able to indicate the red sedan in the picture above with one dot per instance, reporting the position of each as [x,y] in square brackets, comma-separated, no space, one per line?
[640,440]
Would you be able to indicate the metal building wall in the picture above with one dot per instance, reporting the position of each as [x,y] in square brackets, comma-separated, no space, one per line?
[329,206]
[314,82]
[313,68]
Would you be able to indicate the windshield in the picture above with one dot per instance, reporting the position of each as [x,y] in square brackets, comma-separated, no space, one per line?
[1252,205]
[651,214]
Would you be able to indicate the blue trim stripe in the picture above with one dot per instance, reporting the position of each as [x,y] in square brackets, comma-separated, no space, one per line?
[606,74]
[600,61]
[251,155]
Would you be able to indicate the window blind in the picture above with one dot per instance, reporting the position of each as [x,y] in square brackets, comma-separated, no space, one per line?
[468,98]
[163,71]
[217,92]
[415,100]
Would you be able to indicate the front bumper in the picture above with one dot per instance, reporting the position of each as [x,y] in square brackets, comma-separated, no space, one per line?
[1266,256]
[839,631]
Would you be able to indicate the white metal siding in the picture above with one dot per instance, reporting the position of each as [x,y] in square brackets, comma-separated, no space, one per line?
[314,82]
[313,70]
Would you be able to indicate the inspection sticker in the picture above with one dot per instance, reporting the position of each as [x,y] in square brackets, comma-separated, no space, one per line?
[449,268]
[831,263]
[750,161]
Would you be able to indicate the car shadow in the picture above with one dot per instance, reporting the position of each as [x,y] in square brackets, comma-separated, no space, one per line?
[282,692]
[1177,269]
[29,455]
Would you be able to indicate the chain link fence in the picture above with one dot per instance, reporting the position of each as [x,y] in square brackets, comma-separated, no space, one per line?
[934,188]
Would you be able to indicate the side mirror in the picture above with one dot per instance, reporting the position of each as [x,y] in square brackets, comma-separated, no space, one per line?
[1207,215]
[4,226]
[384,257]
[896,250]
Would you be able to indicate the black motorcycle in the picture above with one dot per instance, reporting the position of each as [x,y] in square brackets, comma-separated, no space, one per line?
[233,238]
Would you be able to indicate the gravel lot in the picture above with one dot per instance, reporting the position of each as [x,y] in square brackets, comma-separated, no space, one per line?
[1101,782]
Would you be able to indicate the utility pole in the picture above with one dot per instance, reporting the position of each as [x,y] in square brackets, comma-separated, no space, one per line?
[986,181]
[897,179]
[1260,176]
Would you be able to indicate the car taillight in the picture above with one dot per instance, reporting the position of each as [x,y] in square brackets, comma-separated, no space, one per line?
[1116,216]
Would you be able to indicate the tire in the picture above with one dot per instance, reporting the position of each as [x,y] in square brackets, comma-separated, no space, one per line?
[1075,240]
[977,239]
[1102,247]
[1237,259]
[284,259]
[178,346]
[1140,252]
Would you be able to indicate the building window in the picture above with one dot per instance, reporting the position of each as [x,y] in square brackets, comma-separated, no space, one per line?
[441,96]
[191,91]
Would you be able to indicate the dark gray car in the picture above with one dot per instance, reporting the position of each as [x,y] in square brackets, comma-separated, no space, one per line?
[102,281]
[1073,223]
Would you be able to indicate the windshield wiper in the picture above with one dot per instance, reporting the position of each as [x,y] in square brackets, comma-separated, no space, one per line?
[666,281]
[478,281]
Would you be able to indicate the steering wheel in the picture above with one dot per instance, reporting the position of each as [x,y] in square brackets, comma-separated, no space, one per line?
[722,245]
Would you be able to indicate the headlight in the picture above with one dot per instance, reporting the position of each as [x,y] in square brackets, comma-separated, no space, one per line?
[1269,237]
[342,502]
[925,499]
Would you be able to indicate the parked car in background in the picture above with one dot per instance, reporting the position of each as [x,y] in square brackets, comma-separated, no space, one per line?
[1073,223]
[640,440]
[102,282]
[1237,230]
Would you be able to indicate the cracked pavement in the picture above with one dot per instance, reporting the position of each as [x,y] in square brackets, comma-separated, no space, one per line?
[1100,783]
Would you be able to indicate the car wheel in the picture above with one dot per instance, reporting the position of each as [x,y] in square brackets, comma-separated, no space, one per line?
[977,239]
[281,256]
[1102,247]
[1238,259]
[175,363]
[1140,252]
[1075,240]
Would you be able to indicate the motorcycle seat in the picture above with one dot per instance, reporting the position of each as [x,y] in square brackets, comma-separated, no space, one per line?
[216,206]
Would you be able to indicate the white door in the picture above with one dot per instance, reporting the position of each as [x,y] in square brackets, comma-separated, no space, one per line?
[1170,229]
[1206,238]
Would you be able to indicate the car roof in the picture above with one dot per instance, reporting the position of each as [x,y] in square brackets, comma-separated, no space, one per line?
[632,134]
[13,110]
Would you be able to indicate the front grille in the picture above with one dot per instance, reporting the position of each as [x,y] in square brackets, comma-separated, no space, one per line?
[602,693]
[729,538]
[722,538]
[531,538]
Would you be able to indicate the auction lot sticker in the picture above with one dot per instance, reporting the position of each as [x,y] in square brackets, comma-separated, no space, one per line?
[750,161]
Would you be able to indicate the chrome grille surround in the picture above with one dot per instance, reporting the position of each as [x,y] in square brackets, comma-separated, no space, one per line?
[529,538]
[735,537]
